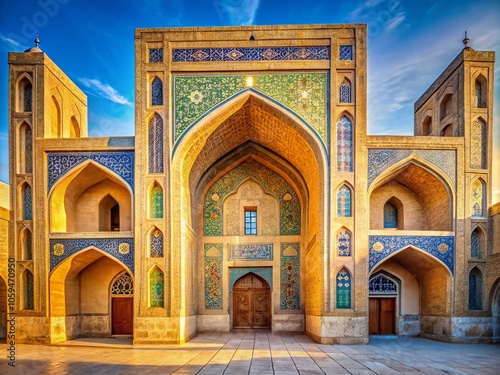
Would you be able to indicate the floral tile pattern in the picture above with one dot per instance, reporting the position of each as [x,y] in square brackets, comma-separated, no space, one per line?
[270,182]
[250,252]
[290,278]
[440,247]
[303,93]
[213,277]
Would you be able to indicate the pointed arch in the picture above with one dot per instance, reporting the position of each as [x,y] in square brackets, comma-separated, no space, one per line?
[122,284]
[475,289]
[155,201]
[481,91]
[155,240]
[157,91]
[344,201]
[28,290]
[155,143]
[478,243]
[109,214]
[345,91]
[27,202]
[344,242]
[384,283]
[478,195]
[26,244]
[447,131]
[74,130]
[55,116]
[24,93]
[393,213]
[445,106]
[156,280]
[25,148]
[427,125]
[343,289]
[478,144]
[344,144]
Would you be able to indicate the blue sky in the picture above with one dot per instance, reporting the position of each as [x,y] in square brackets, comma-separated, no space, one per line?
[410,43]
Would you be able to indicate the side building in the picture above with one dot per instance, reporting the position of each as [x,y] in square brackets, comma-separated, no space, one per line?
[251,196]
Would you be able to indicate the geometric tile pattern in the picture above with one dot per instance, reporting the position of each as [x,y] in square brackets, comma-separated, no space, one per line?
[155,55]
[28,98]
[474,245]
[440,247]
[381,284]
[305,94]
[156,244]
[379,160]
[477,193]
[250,54]
[30,291]
[344,202]
[120,162]
[265,272]
[157,92]
[478,145]
[344,145]
[156,288]
[473,305]
[28,150]
[250,252]
[345,52]
[156,203]
[270,182]
[123,285]
[27,203]
[290,278]
[155,147]
[343,243]
[345,92]
[343,289]
[108,245]
[213,277]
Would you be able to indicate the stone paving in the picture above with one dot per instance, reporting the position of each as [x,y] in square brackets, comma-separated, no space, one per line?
[254,353]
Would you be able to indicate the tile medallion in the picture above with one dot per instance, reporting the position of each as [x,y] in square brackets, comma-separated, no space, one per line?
[270,182]
[120,162]
[61,249]
[290,278]
[305,94]
[250,54]
[250,252]
[440,247]
[379,160]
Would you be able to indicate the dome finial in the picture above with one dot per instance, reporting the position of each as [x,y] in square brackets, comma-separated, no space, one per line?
[37,41]
[35,48]
[466,41]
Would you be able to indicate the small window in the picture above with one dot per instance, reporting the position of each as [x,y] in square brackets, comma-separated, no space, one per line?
[155,55]
[250,220]
[390,216]
[345,52]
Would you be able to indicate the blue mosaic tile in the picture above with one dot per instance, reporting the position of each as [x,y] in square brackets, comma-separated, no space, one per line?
[381,284]
[379,160]
[120,162]
[290,278]
[155,55]
[107,245]
[265,272]
[440,247]
[345,52]
[213,276]
[250,54]
[250,252]
[343,286]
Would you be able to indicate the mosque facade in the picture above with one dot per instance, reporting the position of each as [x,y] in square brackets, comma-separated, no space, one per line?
[251,196]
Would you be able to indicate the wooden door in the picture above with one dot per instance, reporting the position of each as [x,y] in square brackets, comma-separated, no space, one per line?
[251,303]
[122,315]
[382,316]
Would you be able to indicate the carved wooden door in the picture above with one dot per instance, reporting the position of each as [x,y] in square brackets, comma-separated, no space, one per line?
[382,316]
[122,313]
[251,303]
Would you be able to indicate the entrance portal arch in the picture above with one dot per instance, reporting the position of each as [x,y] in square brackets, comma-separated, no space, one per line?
[251,302]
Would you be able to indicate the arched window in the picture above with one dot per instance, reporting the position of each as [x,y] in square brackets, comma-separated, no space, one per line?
[344,243]
[74,130]
[156,243]
[474,245]
[390,216]
[477,198]
[155,140]
[343,289]
[26,245]
[156,202]
[55,113]
[344,145]
[345,91]
[478,145]
[156,288]
[445,107]
[447,131]
[27,203]
[427,125]
[157,92]
[481,91]
[29,300]
[344,202]
[475,289]
[109,214]
[25,148]
[25,96]
[123,285]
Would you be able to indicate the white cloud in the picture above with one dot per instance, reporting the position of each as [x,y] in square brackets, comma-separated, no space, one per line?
[104,90]
[239,12]
[11,43]
[381,15]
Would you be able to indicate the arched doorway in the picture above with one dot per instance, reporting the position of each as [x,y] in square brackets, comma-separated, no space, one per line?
[251,302]
[383,303]
[122,305]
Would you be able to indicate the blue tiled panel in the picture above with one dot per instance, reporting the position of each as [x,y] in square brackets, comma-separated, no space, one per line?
[441,247]
[265,272]
[250,252]
[345,52]
[108,245]
[120,162]
[251,54]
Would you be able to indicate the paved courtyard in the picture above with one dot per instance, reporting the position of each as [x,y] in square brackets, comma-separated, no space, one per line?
[254,353]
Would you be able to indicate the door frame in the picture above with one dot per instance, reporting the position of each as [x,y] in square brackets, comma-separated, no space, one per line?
[111,296]
[396,296]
